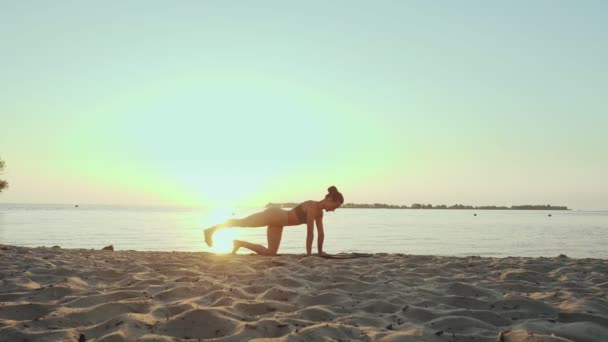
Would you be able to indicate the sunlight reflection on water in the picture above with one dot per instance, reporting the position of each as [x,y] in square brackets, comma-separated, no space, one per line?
[439,232]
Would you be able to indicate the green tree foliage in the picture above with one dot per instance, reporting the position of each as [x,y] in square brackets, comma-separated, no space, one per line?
[3,183]
[430,206]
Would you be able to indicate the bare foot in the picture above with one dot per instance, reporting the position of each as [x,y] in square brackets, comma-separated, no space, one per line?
[209,236]
[236,244]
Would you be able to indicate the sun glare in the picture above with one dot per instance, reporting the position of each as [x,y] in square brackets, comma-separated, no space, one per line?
[222,239]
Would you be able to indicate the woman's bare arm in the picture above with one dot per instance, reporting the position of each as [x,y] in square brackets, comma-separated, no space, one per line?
[310,235]
[320,233]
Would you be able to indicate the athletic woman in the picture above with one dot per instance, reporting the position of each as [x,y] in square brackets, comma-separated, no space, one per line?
[309,213]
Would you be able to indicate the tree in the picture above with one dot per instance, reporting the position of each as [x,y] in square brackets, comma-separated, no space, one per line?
[3,183]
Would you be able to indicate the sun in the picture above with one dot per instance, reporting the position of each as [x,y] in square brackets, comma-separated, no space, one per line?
[222,240]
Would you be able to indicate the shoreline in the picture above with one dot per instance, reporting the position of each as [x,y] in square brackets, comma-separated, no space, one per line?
[49,294]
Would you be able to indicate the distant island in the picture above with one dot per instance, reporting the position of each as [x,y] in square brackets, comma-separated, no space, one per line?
[430,206]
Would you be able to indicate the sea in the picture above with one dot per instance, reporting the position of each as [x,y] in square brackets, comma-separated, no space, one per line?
[493,233]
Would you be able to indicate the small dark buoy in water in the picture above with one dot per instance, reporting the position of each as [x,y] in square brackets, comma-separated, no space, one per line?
[76,206]
[474,214]
[549,215]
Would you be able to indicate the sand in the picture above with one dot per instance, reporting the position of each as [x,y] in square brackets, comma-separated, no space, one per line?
[54,294]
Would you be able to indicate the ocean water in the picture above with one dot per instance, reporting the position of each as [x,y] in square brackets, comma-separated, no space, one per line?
[496,233]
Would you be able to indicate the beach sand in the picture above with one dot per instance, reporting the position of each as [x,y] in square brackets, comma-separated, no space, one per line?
[54,294]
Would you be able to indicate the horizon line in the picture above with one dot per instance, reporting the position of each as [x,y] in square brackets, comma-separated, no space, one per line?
[174,206]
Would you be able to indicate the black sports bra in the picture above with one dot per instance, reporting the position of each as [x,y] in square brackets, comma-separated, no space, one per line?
[300,213]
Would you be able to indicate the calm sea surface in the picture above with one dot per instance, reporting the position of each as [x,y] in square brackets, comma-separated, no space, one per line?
[439,232]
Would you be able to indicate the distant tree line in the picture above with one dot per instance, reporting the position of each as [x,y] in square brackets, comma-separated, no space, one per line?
[430,206]
[3,183]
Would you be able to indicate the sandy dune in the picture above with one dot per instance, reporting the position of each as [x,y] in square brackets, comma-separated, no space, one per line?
[53,294]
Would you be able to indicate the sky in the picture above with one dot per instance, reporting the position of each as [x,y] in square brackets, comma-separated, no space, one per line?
[215,103]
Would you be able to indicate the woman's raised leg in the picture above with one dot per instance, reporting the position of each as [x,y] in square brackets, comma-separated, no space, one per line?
[264,218]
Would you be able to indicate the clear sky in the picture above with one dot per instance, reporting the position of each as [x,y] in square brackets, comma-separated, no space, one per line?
[248,102]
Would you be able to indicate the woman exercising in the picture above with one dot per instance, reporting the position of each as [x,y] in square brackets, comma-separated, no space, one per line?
[309,212]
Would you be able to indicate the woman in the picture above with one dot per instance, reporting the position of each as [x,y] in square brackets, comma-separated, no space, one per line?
[309,212]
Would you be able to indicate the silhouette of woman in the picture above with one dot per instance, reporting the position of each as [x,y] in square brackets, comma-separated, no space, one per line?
[309,212]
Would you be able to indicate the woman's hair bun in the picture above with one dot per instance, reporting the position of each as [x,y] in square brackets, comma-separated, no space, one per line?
[334,194]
